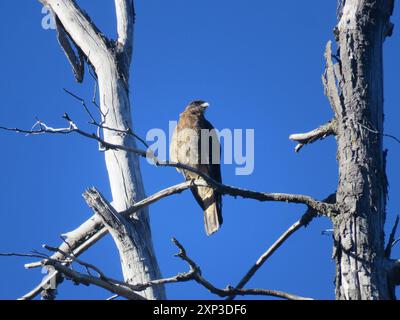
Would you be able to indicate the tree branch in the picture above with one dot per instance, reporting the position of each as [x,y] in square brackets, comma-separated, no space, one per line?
[123,291]
[125,11]
[195,274]
[322,132]
[81,29]
[304,221]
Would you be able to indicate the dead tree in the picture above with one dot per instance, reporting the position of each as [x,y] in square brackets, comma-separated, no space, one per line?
[354,86]
[111,62]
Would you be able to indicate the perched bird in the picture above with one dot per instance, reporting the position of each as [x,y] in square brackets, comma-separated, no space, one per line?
[195,143]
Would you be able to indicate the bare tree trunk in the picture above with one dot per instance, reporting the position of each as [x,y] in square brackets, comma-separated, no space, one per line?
[361,264]
[111,61]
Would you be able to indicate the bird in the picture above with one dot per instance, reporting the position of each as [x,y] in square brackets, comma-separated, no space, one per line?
[195,143]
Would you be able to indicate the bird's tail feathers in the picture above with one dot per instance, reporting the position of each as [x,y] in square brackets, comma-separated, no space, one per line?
[212,220]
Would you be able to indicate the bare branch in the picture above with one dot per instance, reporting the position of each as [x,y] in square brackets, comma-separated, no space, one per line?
[83,103]
[125,26]
[123,291]
[69,258]
[24,255]
[195,274]
[60,266]
[322,132]
[42,128]
[94,122]
[41,287]
[392,137]
[304,221]
[120,288]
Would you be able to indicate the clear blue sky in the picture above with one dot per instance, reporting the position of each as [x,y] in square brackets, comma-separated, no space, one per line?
[258,63]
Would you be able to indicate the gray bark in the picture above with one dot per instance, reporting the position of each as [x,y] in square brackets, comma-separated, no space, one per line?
[111,61]
[361,264]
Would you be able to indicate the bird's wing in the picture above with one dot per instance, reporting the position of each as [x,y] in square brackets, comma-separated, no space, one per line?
[184,147]
[214,169]
[173,152]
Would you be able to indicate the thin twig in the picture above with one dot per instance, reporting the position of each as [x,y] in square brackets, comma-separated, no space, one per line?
[24,255]
[77,277]
[392,137]
[377,132]
[71,258]
[83,103]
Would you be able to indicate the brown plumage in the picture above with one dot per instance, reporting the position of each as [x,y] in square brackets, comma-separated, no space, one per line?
[195,143]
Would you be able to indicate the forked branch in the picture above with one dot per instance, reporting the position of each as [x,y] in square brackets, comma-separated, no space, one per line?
[130,291]
[322,132]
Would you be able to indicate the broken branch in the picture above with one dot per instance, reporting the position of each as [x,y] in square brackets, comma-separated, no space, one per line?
[320,133]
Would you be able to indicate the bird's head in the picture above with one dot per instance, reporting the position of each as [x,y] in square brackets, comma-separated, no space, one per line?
[198,106]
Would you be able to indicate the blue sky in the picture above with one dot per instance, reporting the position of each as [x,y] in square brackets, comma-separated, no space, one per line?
[258,63]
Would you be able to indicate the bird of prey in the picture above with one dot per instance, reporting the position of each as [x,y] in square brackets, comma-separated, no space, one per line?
[195,144]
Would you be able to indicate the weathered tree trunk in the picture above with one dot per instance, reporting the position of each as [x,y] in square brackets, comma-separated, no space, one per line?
[111,61]
[361,264]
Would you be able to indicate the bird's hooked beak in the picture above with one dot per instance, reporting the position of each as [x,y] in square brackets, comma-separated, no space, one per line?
[205,105]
